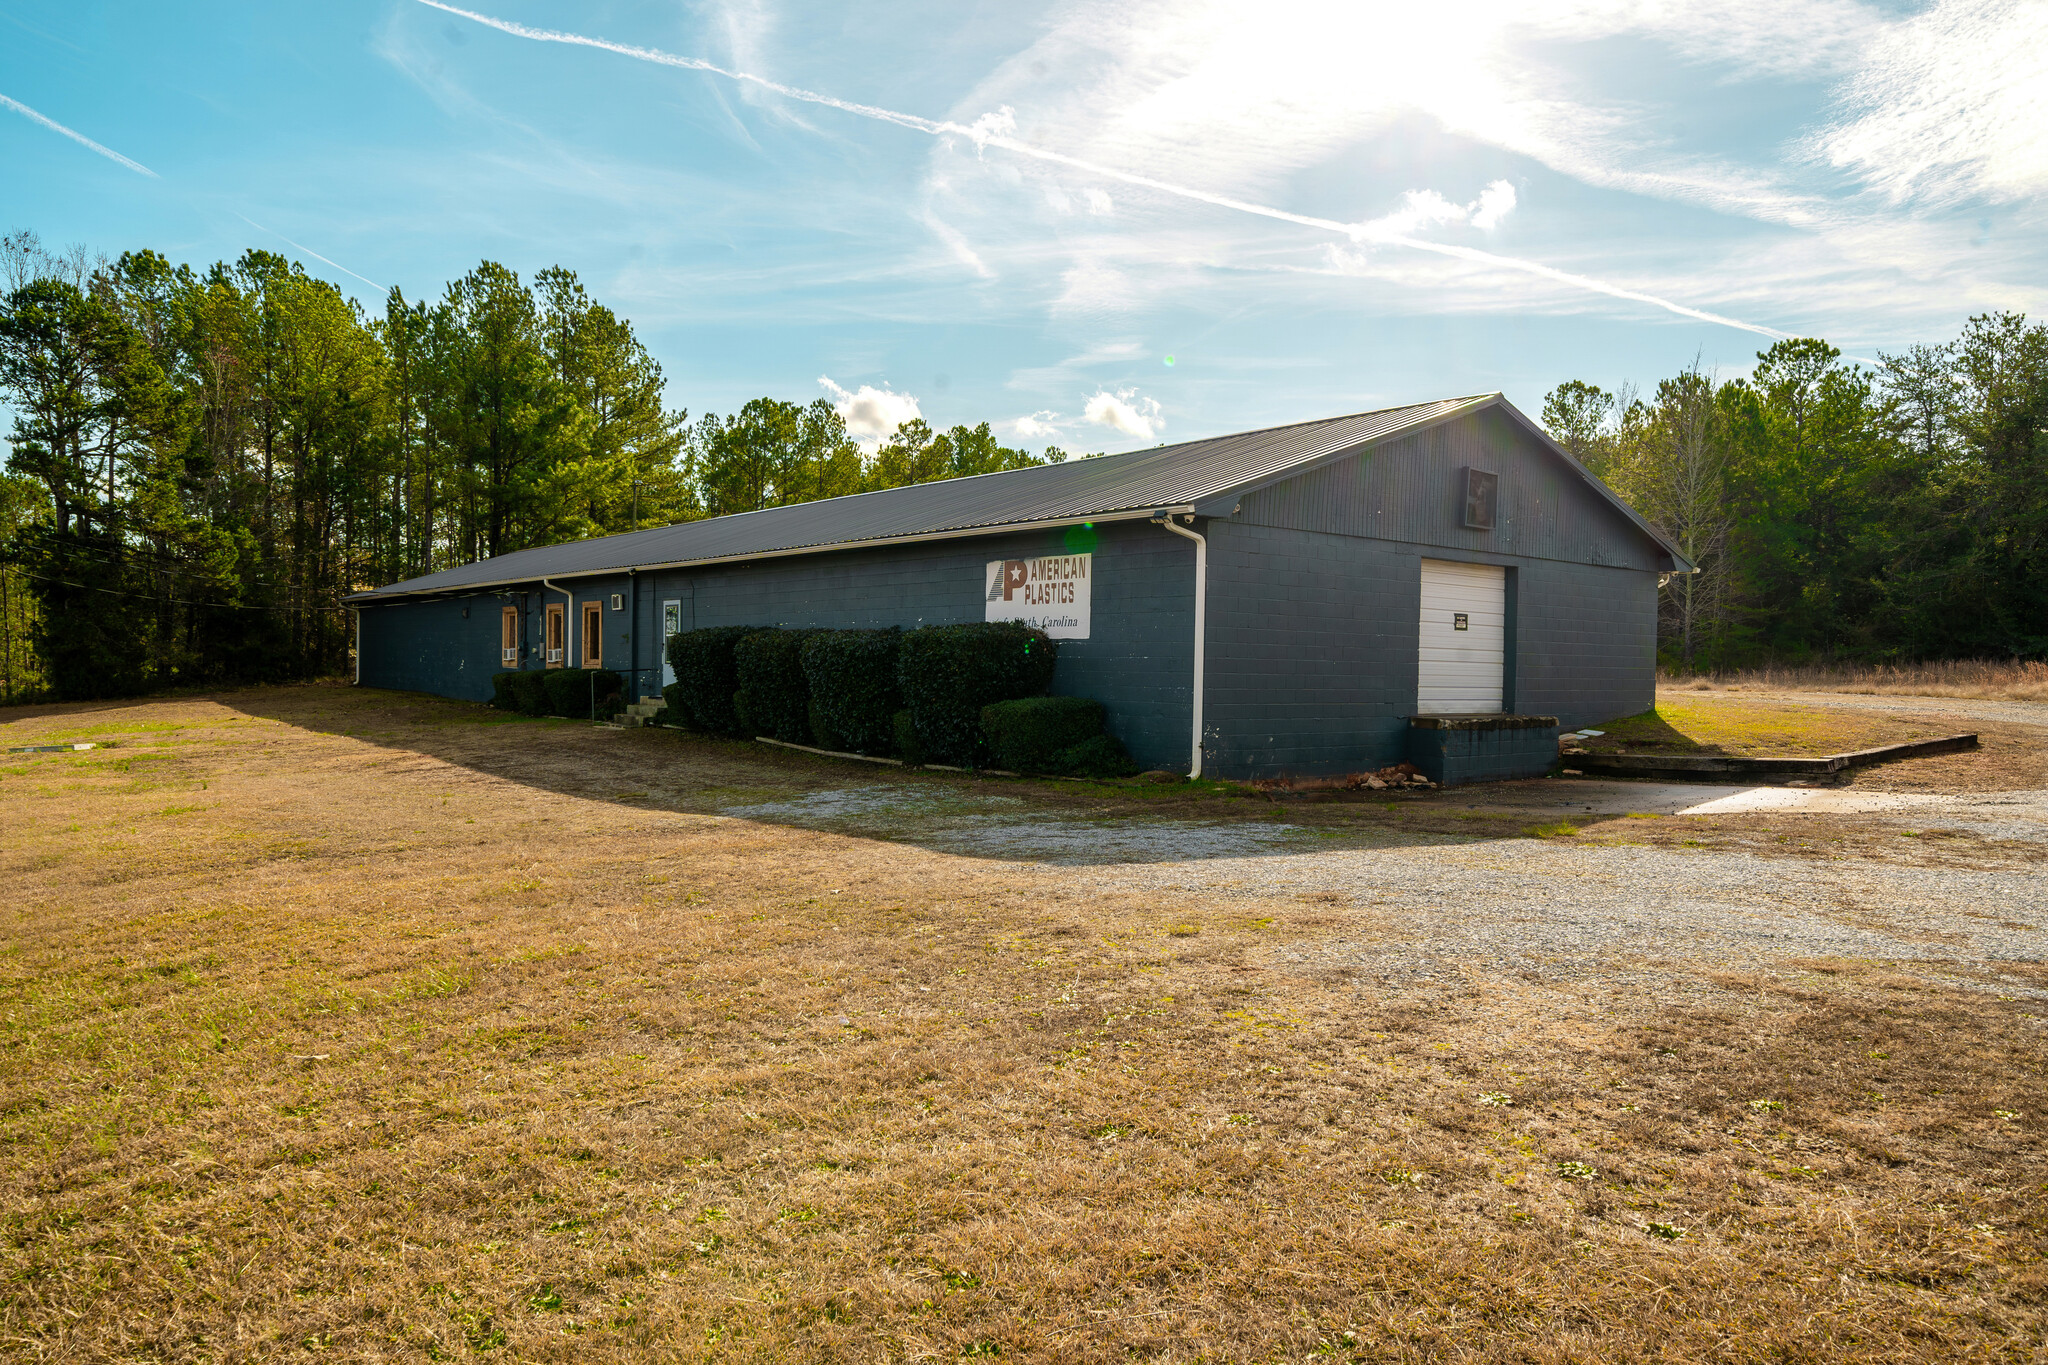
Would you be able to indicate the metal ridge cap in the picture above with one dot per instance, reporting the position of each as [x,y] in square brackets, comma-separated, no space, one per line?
[1134,513]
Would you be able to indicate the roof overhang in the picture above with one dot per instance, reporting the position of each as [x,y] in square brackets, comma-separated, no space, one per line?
[361,599]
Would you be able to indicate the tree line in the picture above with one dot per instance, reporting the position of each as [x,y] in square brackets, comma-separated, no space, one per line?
[1837,511]
[203,462]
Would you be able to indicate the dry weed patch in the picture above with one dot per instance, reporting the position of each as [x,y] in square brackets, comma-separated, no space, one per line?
[419,1042]
[1990,679]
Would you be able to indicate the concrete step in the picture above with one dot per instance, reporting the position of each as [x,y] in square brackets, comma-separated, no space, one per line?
[639,713]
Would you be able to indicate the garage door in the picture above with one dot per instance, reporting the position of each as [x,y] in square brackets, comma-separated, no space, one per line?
[1464,638]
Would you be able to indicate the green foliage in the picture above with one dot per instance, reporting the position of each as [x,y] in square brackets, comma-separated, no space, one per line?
[672,704]
[772,693]
[529,692]
[903,732]
[216,457]
[706,678]
[1057,736]
[1098,756]
[772,454]
[917,454]
[822,733]
[1838,511]
[502,695]
[948,673]
[853,688]
[1028,734]
[220,456]
[578,692]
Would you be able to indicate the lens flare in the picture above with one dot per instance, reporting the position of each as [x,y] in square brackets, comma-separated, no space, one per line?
[1169,362]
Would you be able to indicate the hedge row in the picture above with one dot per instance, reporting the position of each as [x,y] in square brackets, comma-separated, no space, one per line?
[558,692]
[1062,736]
[854,693]
[948,673]
[922,695]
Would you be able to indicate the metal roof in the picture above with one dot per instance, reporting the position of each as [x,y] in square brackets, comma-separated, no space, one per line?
[1108,487]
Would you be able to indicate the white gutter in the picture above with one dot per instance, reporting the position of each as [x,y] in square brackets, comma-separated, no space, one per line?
[568,616]
[1201,628]
[965,533]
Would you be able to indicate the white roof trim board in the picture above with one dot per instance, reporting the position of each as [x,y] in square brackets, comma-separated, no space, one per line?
[1195,476]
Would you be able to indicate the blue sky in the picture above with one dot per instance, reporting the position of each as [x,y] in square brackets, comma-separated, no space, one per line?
[1312,208]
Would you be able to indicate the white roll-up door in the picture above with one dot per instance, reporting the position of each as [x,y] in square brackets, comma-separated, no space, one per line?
[1464,638]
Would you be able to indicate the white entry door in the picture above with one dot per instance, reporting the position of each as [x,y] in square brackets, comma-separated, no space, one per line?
[1464,638]
[671,624]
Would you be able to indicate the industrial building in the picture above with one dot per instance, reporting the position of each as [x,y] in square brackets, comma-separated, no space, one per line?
[1278,602]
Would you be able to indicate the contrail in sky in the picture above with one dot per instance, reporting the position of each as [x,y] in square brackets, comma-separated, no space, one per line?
[992,130]
[310,252]
[108,152]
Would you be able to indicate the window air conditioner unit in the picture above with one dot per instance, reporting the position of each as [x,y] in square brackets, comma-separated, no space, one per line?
[511,654]
[554,656]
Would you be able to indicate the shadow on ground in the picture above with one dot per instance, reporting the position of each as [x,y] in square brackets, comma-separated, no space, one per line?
[1066,823]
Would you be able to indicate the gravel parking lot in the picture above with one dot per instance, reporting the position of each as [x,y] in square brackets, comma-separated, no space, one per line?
[1549,907]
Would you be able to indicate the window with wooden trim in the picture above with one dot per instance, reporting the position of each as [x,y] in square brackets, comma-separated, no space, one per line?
[508,637]
[593,635]
[556,621]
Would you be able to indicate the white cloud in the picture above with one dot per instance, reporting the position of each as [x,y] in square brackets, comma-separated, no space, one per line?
[1098,202]
[1124,411]
[1495,202]
[872,415]
[1426,208]
[1037,426]
[1950,104]
[1001,123]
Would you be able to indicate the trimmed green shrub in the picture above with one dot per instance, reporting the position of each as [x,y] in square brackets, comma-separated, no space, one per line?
[672,706]
[661,716]
[822,733]
[703,664]
[948,673]
[1027,735]
[772,693]
[1096,756]
[529,692]
[853,689]
[908,747]
[501,692]
[572,692]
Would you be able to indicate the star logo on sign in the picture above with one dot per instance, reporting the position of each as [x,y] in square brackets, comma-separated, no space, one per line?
[1016,573]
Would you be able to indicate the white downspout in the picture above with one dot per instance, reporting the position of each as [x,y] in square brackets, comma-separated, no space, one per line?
[568,623]
[1201,629]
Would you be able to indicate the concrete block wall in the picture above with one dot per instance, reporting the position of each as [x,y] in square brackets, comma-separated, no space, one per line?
[1586,642]
[1311,651]
[1138,661]
[1313,639]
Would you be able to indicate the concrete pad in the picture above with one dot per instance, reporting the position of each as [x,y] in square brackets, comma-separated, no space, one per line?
[1811,799]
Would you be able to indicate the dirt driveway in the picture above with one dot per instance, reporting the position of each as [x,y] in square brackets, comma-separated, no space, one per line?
[371,1026]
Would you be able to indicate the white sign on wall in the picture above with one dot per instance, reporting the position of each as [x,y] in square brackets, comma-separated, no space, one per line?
[1051,593]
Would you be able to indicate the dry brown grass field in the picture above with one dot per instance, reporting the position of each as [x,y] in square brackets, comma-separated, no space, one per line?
[1991,679]
[352,1025]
